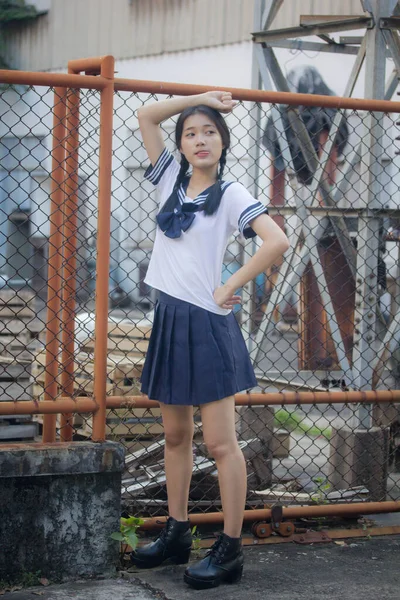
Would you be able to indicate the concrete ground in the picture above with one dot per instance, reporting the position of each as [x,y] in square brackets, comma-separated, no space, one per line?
[351,570]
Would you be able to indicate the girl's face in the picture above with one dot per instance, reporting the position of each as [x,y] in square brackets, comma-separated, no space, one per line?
[201,142]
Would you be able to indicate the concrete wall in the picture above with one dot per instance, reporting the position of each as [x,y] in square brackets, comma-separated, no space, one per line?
[59,505]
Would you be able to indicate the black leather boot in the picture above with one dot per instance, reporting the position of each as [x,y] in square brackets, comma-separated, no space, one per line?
[174,543]
[222,563]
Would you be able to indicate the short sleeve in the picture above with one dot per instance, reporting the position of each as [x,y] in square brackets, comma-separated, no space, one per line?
[163,174]
[243,208]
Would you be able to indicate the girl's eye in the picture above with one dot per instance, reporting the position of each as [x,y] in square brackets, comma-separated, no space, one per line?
[210,131]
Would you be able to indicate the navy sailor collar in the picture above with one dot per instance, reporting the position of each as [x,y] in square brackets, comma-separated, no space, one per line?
[173,223]
[201,198]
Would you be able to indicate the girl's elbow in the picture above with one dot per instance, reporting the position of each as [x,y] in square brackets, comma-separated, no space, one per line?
[140,113]
[285,244]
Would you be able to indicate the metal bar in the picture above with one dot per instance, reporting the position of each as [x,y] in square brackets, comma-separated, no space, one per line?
[83,404]
[393,41]
[270,11]
[306,20]
[378,363]
[53,324]
[183,89]
[313,46]
[69,263]
[311,243]
[255,133]
[51,79]
[103,249]
[92,64]
[392,84]
[319,184]
[168,88]
[316,29]
[293,512]
[46,407]
[368,231]
[310,239]
[390,23]
[290,260]
[351,39]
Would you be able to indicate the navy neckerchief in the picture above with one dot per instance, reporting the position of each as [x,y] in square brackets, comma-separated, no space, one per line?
[181,218]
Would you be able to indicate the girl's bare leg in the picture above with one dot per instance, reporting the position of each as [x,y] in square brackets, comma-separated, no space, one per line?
[178,428]
[220,438]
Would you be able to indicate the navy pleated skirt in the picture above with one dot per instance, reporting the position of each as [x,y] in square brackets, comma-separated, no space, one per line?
[194,356]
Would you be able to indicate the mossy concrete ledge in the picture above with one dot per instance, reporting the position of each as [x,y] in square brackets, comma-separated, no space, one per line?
[59,505]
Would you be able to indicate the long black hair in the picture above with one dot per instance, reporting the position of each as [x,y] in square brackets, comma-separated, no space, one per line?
[214,197]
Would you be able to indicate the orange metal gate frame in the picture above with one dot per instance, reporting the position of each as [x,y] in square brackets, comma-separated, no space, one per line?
[99,75]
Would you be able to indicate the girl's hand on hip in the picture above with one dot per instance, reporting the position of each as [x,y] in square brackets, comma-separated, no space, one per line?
[221,101]
[225,299]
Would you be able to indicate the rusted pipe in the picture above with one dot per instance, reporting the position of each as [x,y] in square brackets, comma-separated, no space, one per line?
[51,79]
[270,399]
[91,64]
[70,214]
[183,89]
[53,322]
[160,87]
[103,249]
[277,398]
[49,407]
[295,512]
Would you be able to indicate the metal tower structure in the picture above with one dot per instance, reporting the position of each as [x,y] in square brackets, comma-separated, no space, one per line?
[379,24]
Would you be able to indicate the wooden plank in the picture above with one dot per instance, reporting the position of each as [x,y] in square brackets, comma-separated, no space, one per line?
[130,330]
[124,345]
[16,298]
[119,367]
[16,312]
[130,423]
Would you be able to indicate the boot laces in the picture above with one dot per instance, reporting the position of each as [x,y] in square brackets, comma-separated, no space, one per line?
[165,531]
[218,549]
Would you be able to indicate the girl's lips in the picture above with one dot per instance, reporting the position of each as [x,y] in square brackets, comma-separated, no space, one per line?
[202,153]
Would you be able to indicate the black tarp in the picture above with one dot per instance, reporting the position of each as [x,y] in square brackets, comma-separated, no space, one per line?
[304,80]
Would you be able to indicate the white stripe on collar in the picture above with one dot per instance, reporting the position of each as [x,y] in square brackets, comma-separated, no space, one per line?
[202,197]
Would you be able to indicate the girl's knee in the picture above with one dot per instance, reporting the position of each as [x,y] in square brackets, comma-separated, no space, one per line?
[178,437]
[219,450]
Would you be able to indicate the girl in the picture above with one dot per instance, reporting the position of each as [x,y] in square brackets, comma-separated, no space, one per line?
[197,355]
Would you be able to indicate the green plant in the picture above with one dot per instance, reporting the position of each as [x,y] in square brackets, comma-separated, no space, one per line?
[196,538]
[127,533]
[319,497]
[297,423]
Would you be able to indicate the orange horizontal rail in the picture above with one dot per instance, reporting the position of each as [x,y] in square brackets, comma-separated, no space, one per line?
[183,89]
[278,398]
[52,79]
[48,407]
[93,65]
[293,512]
[84,404]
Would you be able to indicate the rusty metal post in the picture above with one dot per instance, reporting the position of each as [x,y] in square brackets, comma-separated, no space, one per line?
[55,260]
[69,265]
[103,248]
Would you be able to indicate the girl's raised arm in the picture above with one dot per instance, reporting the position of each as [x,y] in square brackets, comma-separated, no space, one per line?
[150,116]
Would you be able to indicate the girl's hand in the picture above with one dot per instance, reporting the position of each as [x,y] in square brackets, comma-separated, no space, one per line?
[224,298]
[221,101]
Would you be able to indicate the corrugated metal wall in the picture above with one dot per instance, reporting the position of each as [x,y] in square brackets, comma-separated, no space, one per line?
[289,14]
[133,28]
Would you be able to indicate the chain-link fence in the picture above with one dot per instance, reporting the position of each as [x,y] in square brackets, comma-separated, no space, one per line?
[324,318]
